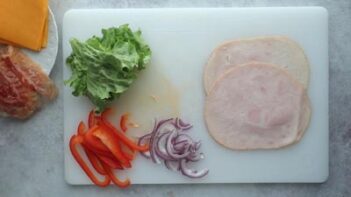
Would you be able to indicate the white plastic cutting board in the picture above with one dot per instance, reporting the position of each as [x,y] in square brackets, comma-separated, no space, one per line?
[181,41]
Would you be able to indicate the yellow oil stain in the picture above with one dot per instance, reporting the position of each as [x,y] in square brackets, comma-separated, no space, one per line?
[143,110]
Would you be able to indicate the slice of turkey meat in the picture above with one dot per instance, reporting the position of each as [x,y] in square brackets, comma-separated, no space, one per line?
[257,106]
[277,50]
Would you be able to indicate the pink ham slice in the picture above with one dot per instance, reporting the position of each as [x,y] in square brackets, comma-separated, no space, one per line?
[257,106]
[277,50]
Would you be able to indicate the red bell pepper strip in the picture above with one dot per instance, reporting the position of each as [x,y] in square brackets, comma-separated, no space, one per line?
[72,145]
[93,142]
[123,126]
[93,119]
[111,162]
[106,157]
[110,141]
[106,147]
[98,152]
[90,154]
[114,179]
[125,139]
[90,142]
[127,152]
[121,136]
[128,156]
[95,161]
[81,128]
[123,122]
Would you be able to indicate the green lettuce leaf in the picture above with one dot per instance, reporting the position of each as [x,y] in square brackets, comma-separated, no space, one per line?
[104,67]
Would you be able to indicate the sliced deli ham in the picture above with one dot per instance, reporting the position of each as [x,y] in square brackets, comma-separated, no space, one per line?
[277,50]
[257,106]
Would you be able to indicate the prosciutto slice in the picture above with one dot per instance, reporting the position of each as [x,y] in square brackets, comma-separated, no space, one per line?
[23,84]
[277,50]
[257,106]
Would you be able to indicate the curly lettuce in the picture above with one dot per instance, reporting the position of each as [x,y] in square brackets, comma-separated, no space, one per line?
[105,67]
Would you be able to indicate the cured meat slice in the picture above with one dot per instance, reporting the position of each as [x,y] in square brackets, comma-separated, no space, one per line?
[16,99]
[29,70]
[257,106]
[23,85]
[277,50]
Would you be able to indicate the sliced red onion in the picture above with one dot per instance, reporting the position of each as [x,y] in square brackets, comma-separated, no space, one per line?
[197,145]
[192,173]
[182,137]
[179,146]
[179,124]
[141,142]
[177,142]
[169,143]
[170,149]
[175,123]
[184,126]
[152,143]
[192,148]
[160,147]
[195,157]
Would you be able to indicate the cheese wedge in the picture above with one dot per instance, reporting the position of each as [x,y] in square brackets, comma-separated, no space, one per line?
[24,23]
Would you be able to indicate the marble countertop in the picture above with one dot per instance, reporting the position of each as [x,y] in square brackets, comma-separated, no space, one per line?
[31,152]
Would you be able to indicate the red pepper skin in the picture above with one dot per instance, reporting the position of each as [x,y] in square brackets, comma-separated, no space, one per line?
[122,137]
[125,139]
[95,161]
[95,145]
[81,128]
[114,179]
[127,152]
[93,119]
[111,162]
[106,147]
[123,122]
[93,142]
[109,139]
[75,140]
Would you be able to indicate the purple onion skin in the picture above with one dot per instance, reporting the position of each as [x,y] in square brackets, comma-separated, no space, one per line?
[161,154]
[197,145]
[183,136]
[192,173]
[179,124]
[170,150]
[179,147]
[154,133]
[195,157]
[140,142]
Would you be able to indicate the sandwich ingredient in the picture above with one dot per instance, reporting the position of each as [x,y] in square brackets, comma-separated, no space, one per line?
[105,67]
[170,143]
[106,147]
[24,23]
[278,50]
[257,106]
[23,84]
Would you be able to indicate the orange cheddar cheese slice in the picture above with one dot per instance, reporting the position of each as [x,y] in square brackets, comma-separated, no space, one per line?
[24,23]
